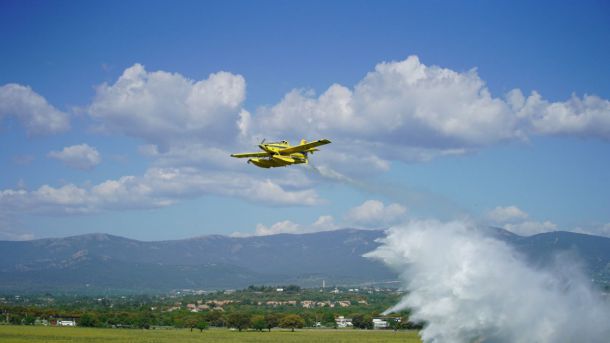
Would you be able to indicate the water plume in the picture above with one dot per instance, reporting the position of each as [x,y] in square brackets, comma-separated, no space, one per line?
[470,287]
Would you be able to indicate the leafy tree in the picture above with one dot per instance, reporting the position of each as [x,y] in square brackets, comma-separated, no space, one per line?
[178,322]
[202,325]
[121,318]
[395,323]
[102,318]
[328,319]
[292,321]
[362,321]
[272,320]
[29,319]
[15,319]
[190,323]
[357,320]
[143,320]
[215,318]
[238,320]
[88,320]
[309,318]
[258,322]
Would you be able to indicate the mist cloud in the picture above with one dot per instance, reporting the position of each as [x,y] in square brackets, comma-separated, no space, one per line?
[470,287]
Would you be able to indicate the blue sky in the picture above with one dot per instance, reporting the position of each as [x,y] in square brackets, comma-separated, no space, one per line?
[119,117]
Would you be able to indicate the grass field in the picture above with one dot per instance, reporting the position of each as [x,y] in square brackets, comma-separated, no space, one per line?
[18,334]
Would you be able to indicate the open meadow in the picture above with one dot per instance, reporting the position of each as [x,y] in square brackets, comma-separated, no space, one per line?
[19,334]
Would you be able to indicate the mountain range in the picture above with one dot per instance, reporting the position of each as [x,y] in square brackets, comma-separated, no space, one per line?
[96,263]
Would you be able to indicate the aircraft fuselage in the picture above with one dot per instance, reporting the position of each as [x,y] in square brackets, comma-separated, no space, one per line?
[280,154]
[277,160]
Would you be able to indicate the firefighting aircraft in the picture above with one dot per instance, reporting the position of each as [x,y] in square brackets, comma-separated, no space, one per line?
[281,154]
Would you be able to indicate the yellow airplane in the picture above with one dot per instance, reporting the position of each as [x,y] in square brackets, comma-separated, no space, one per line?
[280,154]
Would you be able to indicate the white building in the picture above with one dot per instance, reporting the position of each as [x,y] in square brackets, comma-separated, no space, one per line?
[343,322]
[379,323]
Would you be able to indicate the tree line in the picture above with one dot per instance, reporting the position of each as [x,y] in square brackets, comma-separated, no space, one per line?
[241,320]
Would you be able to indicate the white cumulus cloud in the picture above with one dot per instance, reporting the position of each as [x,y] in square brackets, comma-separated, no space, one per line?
[285,226]
[80,156]
[408,111]
[158,187]
[513,219]
[370,214]
[373,213]
[162,107]
[506,214]
[323,223]
[404,102]
[517,221]
[32,110]
[588,116]
[399,111]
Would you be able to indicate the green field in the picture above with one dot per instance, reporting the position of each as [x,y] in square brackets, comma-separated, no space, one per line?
[18,334]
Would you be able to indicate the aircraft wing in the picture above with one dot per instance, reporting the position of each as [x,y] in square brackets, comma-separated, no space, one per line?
[303,147]
[250,154]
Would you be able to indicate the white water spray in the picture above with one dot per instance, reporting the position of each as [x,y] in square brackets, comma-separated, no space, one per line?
[469,287]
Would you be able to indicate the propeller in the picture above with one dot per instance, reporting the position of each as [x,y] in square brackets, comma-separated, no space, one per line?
[263,141]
